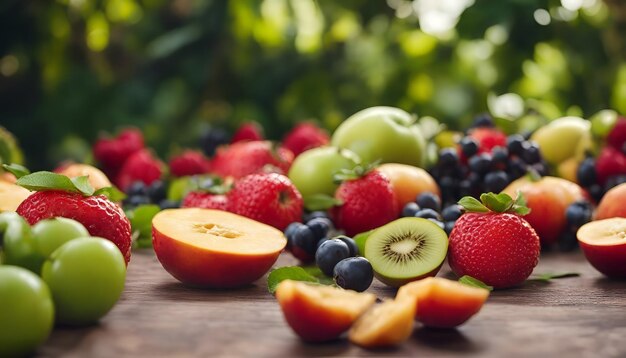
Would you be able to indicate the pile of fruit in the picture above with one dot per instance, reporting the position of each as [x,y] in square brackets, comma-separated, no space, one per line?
[387,196]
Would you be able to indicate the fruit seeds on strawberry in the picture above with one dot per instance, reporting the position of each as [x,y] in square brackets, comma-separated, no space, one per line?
[205,200]
[141,166]
[190,162]
[111,153]
[249,157]
[305,136]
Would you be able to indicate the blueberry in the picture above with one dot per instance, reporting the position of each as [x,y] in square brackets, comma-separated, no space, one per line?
[213,138]
[354,273]
[169,204]
[448,157]
[354,249]
[448,226]
[483,120]
[586,172]
[291,229]
[466,188]
[157,191]
[303,239]
[516,168]
[428,214]
[319,226]
[449,189]
[578,214]
[136,200]
[438,223]
[515,144]
[451,213]
[480,163]
[496,181]
[428,200]
[500,155]
[469,146]
[410,209]
[329,254]
[319,243]
[531,153]
[314,214]
[137,188]
[596,191]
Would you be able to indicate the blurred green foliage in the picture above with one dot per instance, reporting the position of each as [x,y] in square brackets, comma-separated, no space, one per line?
[72,68]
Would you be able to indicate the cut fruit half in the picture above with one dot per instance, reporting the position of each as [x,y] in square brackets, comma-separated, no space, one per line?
[405,250]
[320,313]
[387,324]
[443,303]
[604,244]
[11,196]
[214,248]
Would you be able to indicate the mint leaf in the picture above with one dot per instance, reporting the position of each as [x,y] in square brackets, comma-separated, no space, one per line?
[473,282]
[42,181]
[472,204]
[141,224]
[295,273]
[546,277]
[16,169]
[320,202]
[112,193]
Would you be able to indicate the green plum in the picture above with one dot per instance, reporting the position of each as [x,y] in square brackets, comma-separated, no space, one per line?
[50,234]
[86,277]
[26,311]
[388,134]
[18,243]
[312,171]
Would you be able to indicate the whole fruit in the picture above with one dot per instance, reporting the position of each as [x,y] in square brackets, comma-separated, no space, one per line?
[26,311]
[86,277]
[18,246]
[408,181]
[563,138]
[50,234]
[612,203]
[388,134]
[482,244]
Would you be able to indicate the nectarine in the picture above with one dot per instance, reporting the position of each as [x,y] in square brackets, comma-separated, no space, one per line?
[612,203]
[604,244]
[408,181]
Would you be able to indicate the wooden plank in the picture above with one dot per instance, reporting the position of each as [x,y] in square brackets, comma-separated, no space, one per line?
[157,316]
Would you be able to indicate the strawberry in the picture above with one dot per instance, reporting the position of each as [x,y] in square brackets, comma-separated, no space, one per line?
[305,136]
[492,242]
[113,152]
[488,138]
[248,131]
[610,162]
[206,200]
[270,198]
[617,136]
[243,158]
[189,162]
[367,201]
[99,215]
[141,166]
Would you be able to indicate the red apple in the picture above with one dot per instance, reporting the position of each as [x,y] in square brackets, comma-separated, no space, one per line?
[612,203]
[214,248]
[604,244]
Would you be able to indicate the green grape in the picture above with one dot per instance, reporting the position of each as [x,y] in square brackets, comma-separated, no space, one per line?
[26,311]
[602,123]
[50,234]
[17,243]
[86,277]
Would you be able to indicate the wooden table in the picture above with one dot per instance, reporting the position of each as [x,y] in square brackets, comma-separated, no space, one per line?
[157,317]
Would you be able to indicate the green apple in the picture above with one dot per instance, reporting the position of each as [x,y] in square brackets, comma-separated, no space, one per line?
[388,134]
[26,311]
[50,234]
[563,138]
[312,171]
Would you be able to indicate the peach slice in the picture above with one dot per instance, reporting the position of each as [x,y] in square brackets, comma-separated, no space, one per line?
[604,244]
[387,324]
[214,248]
[97,178]
[11,196]
[320,313]
[443,303]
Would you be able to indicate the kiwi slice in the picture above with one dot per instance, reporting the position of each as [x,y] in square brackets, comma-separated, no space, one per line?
[405,250]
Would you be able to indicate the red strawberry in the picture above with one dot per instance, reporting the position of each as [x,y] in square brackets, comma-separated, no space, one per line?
[610,162]
[99,215]
[305,136]
[248,131]
[244,158]
[206,200]
[269,198]
[617,136]
[190,162]
[113,152]
[141,166]
[492,242]
[367,203]
[488,138]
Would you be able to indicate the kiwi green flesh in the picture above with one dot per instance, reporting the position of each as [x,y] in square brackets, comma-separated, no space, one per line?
[405,250]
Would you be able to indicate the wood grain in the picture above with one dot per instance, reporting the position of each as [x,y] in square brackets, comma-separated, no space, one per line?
[159,317]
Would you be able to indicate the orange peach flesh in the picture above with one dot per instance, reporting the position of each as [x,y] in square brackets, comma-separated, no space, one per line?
[320,313]
[387,324]
[606,232]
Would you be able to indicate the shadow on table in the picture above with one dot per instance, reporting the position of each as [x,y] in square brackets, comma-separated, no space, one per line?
[447,340]
[177,291]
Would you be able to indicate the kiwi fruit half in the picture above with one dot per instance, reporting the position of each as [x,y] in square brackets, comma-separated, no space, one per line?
[405,250]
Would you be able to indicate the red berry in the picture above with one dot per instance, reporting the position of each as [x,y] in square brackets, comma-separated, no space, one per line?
[305,136]
[488,138]
[269,198]
[367,203]
[610,162]
[244,158]
[113,152]
[617,136]
[205,200]
[141,166]
[99,215]
[189,162]
[248,131]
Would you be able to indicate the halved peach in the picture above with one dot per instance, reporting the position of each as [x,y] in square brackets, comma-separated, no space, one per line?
[387,324]
[214,248]
[604,244]
[320,313]
[11,196]
[443,303]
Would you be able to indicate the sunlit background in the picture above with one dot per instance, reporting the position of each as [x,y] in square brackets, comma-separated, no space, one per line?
[72,68]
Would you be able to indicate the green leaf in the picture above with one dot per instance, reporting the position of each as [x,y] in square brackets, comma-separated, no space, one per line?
[318,274]
[500,203]
[320,202]
[141,223]
[16,169]
[472,205]
[520,207]
[295,273]
[111,192]
[546,277]
[42,181]
[470,281]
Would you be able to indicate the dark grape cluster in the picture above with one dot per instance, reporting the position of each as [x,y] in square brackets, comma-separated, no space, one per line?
[428,206]
[587,177]
[139,193]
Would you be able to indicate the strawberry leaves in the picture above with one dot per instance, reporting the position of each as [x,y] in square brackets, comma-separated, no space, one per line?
[45,181]
[499,203]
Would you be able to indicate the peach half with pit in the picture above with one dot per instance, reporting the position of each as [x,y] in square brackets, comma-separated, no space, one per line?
[214,248]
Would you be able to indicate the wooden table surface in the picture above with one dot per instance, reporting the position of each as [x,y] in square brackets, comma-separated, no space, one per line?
[159,317]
